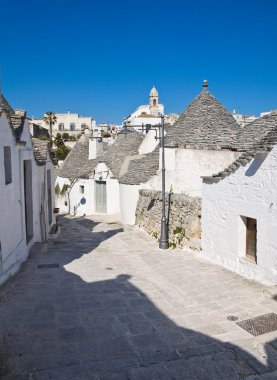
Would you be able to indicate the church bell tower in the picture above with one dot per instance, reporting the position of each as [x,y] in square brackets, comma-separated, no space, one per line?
[154,101]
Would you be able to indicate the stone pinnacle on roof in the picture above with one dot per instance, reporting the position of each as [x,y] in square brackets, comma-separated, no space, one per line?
[205,84]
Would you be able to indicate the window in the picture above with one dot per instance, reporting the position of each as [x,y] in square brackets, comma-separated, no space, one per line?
[82,189]
[83,127]
[61,127]
[154,102]
[8,164]
[247,239]
[251,239]
[72,126]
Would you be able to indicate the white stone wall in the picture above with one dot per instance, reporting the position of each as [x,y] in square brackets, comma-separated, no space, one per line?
[129,196]
[184,168]
[137,122]
[12,233]
[40,194]
[113,202]
[14,247]
[61,201]
[84,204]
[149,143]
[250,192]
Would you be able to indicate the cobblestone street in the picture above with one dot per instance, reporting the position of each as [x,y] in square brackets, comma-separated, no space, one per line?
[102,302]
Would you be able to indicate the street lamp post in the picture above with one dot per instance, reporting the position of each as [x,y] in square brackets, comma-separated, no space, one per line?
[164,223]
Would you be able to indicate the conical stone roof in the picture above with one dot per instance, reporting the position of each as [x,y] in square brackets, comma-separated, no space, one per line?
[204,124]
[76,160]
[78,165]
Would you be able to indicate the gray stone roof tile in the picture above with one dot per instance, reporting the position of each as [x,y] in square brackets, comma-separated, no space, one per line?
[18,120]
[17,117]
[4,104]
[140,168]
[41,150]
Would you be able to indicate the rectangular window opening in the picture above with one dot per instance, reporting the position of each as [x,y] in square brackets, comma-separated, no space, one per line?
[82,189]
[251,239]
[8,164]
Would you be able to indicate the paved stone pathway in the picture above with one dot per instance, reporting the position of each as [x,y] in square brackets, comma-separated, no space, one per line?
[118,308]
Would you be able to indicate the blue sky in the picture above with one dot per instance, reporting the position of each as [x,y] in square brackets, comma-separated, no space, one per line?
[100,58]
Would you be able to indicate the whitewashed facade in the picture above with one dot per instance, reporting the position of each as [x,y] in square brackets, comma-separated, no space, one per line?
[72,123]
[90,174]
[27,190]
[239,207]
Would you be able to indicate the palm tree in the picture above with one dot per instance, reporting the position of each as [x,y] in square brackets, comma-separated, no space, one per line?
[50,119]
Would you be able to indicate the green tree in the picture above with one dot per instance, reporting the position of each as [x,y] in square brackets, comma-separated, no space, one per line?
[58,140]
[65,136]
[50,119]
[61,152]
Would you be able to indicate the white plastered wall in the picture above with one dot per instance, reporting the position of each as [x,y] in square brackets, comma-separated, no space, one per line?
[113,203]
[61,201]
[84,203]
[184,168]
[249,192]
[149,143]
[14,247]
[40,194]
[129,195]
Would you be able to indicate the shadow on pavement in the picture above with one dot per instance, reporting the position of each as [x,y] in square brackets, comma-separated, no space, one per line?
[54,325]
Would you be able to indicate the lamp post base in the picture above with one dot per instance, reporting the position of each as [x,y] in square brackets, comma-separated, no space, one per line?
[164,235]
[163,245]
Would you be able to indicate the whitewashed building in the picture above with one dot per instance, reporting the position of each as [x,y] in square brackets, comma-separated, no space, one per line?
[146,115]
[72,123]
[27,190]
[239,206]
[87,183]
[243,120]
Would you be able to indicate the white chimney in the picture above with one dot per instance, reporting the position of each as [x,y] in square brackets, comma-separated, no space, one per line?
[95,148]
